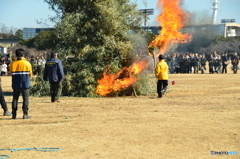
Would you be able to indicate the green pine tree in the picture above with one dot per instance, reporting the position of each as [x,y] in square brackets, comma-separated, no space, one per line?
[96,33]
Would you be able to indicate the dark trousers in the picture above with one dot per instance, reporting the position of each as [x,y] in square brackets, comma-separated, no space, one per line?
[25,96]
[187,69]
[224,68]
[55,90]
[161,85]
[182,69]
[211,69]
[2,100]
[235,68]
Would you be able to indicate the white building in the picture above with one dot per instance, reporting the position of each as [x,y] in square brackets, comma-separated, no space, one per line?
[224,29]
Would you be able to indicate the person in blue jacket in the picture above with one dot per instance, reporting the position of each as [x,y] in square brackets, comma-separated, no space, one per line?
[53,73]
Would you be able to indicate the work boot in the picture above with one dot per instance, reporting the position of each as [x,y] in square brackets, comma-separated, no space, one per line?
[53,99]
[7,113]
[163,90]
[160,95]
[14,115]
[25,116]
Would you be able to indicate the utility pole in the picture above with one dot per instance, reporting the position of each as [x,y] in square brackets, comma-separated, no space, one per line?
[146,12]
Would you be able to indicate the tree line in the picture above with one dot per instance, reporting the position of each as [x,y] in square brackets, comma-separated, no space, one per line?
[10,32]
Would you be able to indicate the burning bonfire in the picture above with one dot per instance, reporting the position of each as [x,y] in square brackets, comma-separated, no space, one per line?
[123,79]
[172,20]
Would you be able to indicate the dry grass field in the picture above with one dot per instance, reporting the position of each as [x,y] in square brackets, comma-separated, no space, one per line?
[198,115]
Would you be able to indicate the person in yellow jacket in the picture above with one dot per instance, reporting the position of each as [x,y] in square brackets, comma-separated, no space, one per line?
[21,72]
[161,73]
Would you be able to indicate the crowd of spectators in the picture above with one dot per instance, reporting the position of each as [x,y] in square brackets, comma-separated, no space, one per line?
[188,63]
[38,64]
[194,63]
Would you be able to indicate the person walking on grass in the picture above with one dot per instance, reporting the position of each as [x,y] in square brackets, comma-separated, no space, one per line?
[21,72]
[161,73]
[53,73]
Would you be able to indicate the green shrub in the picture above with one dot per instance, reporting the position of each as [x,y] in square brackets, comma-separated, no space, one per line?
[40,88]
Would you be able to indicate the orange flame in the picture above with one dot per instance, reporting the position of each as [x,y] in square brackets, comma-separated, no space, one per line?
[172,20]
[123,79]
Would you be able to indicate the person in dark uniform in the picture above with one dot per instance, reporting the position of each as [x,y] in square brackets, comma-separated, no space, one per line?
[224,62]
[196,63]
[187,64]
[181,63]
[203,64]
[235,61]
[53,73]
[217,64]
[210,64]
